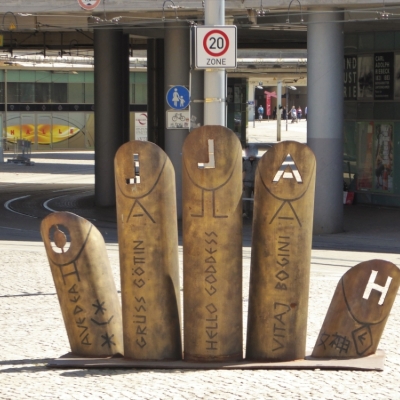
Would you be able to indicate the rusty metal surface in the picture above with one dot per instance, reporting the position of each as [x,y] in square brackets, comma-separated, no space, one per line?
[212,245]
[373,362]
[85,287]
[281,253]
[359,310]
[148,244]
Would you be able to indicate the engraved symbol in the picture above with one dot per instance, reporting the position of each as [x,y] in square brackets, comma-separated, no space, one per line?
[85,328]
[282,275]
[211,241]
[372,285]
[141,214]
[211,269]
[80,321]
[102,323]
[211,279]
[74,299]
[73,289]
[288,218]
[211,291]
[211,157]
[211,234]
[99,307]
[210,251]
[77,310]
[140,283]
[323,339]
[141,331]
[136,179]
[139,271]
[85,340]
[211,308]
[363,339]
[108,340]
[340,343]
[283,171]
[142,342]
[211,334]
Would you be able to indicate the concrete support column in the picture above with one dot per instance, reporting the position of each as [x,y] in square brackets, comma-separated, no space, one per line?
[176,72]
[325,50]
[155,86]
[111,99]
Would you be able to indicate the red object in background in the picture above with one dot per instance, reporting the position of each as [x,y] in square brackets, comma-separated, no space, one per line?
[268,106]
[268,101]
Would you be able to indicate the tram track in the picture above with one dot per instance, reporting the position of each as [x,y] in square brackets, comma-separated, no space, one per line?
[24,206]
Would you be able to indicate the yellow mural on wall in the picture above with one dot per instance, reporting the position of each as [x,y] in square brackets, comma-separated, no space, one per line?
[46,133]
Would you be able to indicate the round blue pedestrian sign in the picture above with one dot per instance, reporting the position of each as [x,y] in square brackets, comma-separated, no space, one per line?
[178,97]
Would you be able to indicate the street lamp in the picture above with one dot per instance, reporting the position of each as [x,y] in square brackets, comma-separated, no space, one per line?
[259,86]
[287,104]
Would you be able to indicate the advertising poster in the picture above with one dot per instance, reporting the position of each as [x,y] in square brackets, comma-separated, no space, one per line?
[383,76]
[350,77]
[140,126]
[396,77]
[383,157]
[365,68]
[365,133]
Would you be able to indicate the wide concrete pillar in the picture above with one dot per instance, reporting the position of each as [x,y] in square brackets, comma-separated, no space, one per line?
[155,86]
[325,115]
[176,72]
[111,99]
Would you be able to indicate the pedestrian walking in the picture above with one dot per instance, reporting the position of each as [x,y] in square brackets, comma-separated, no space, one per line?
[293,114]
[299,113]
[260,113]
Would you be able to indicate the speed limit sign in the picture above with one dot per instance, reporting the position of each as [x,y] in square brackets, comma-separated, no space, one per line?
[215,47]
[89,4]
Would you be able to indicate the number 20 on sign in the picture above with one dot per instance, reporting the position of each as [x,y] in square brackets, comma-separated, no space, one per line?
[215,47]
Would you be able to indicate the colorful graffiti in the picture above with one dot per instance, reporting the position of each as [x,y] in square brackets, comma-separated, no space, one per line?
[46,133]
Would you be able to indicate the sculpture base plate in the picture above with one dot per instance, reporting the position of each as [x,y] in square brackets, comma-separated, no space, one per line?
[374,362]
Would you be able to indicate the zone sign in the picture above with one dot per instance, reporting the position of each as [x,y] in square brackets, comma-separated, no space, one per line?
[215,46]
[89,4]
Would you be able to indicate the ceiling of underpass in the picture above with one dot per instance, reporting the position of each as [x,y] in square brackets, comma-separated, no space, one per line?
[272,35]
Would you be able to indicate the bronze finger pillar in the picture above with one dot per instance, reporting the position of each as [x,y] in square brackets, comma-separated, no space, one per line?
[85,286]
[148,245]
[212,245]
[358,311]
[281,253]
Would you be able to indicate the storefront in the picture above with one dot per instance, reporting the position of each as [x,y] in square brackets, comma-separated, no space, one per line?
[372,117]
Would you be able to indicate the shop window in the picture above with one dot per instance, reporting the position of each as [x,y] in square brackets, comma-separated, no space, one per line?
[365,110]
[89,93]
[1,92]
[383,110]
[384,41]
[366,41]
[12,92]
[42,92]
[350,44]
[76,93]
[59,92]
[26,92]
[140,93]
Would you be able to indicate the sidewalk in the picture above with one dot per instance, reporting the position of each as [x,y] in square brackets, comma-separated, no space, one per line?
[32,331]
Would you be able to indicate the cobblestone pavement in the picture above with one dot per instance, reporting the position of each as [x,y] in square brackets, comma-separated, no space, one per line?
[32,331]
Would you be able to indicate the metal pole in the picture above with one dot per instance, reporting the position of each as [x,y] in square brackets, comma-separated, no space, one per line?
[278,117]
[287,97]
[254,107]
[214,80]
[5,119]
